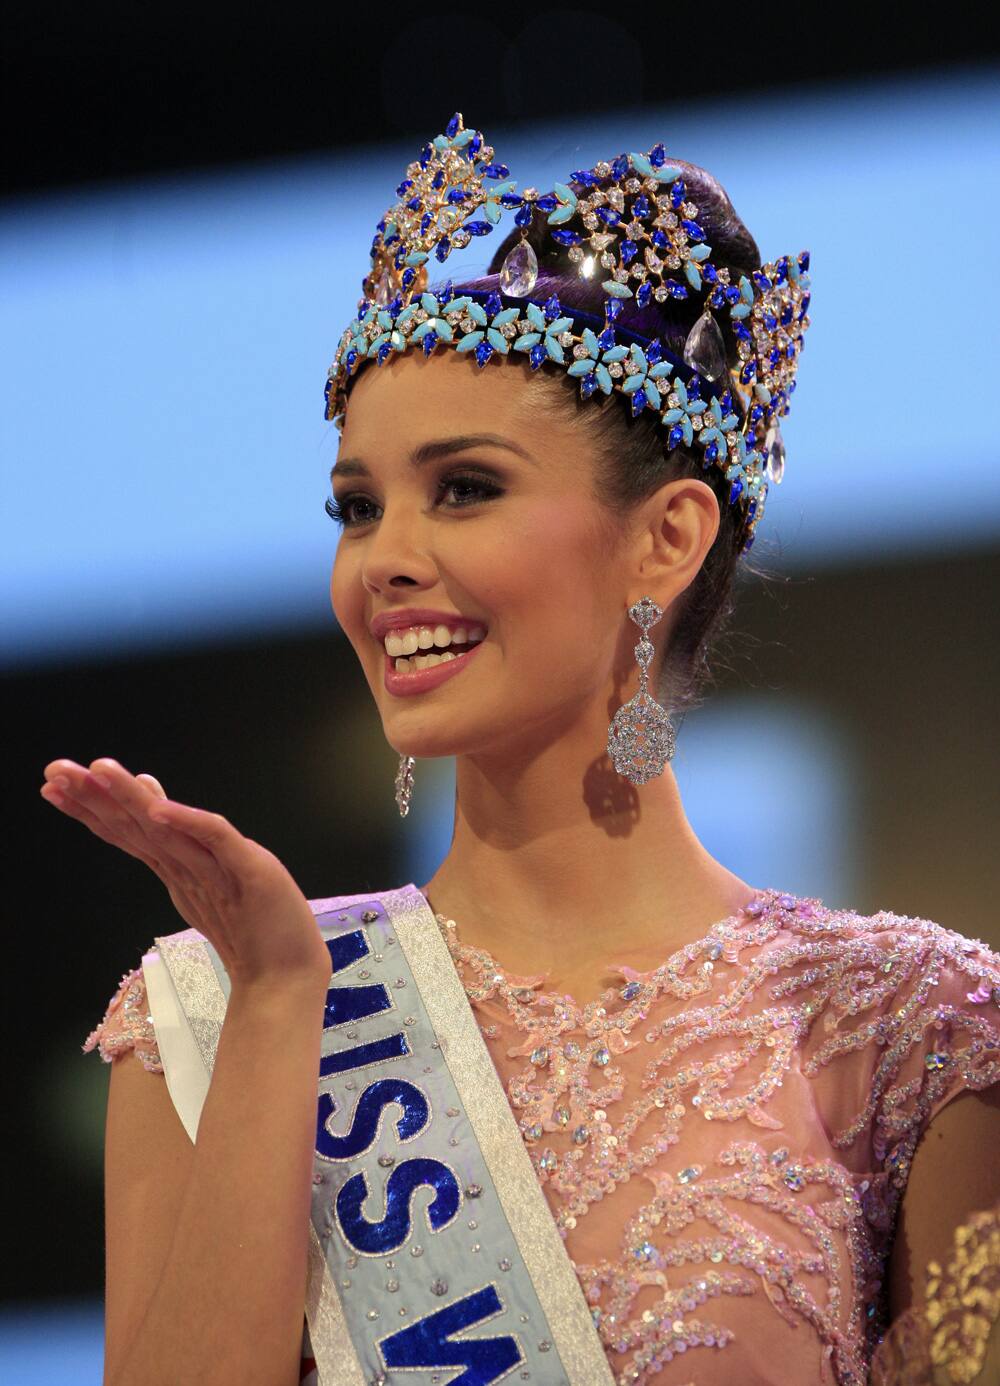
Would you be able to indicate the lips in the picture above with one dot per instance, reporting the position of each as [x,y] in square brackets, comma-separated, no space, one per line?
[423,680]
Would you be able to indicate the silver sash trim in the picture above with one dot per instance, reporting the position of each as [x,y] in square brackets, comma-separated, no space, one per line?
[398,1003]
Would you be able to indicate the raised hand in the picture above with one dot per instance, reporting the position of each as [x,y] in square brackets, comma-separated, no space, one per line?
[225,885]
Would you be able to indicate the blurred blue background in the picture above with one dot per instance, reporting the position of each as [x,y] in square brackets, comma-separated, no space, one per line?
[164,462]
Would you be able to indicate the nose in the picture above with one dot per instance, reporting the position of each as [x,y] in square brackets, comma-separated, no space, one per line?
[394,556]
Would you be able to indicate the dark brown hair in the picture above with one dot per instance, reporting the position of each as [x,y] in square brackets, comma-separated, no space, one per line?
[632,461]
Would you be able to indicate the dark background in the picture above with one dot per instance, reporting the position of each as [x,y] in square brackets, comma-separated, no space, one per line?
[903,650]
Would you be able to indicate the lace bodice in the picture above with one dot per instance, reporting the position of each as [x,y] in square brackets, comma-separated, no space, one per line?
[724,1138]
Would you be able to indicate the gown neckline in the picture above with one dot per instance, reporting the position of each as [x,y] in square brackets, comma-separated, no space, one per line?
[524,997]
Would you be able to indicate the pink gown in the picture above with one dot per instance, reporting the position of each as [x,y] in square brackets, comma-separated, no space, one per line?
[724,1138]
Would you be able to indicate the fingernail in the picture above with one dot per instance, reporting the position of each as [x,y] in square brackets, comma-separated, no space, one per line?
[60,781]
[102,780]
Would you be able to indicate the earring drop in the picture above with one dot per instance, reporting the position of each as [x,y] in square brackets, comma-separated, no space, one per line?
[404,784]
[641,737]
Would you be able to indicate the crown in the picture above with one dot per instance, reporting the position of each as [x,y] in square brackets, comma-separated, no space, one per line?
[630,219]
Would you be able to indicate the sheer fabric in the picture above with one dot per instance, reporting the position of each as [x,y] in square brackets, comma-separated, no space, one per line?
[724,1138]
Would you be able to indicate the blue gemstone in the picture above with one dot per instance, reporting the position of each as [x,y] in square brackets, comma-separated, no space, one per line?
[395,306]
[694,386]
[756,413]
[657,156]
[748,545]
[674,436]
[640,207]
[612,309]
[676,290]
[806,300]
[400,257]
[442,249]
[717,298]
[494,304]
[782,270]
[496,171]
[548,203]
[478,228]
[709,272]
[741,330]
[409,274]
[389,240]
[451,129]
[404,187]
[426,155]
[475,145]
[414,204]
[525,216]
[654,351]
[380,226]
[752,509]
[448,291]
[425,221]
[456,195]
[619,167]
[483,353]
[564,237]
[735,490]
[629,251]
[350,359]
[761,280]
[429,342]
[553,308]
[383,352]
[609,216]
[437,181]
[660,239]
[584,176]
[588,385]
[643,294]
[733,294]
[607,339]
[638,402]
[748,372]
[770,321]
[712,451]
[510,199]
[804,261]
[326,390]
[537,355]
[678,192]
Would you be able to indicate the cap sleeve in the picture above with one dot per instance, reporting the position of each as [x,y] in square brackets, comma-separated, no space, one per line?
[127,1024]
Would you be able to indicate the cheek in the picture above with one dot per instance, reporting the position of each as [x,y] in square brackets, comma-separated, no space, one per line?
[347,594]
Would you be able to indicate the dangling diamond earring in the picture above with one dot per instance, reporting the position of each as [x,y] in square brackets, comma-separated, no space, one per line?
[404,785]
[641,737]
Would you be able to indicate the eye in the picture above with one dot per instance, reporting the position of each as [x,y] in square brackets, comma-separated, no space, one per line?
[469,488]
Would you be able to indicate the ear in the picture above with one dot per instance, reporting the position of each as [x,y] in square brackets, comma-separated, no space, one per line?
[677,528]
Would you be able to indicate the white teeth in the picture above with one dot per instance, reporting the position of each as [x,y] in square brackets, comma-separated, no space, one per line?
[448,654]
[403,643]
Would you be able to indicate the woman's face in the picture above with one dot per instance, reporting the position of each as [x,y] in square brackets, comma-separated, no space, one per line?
[500,538]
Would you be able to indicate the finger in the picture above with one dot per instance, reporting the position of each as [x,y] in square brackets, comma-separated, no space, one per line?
[214,832]
[154,784]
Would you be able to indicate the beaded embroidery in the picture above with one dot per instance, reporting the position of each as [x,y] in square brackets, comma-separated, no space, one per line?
[127,1024]
[718,1034]
[850,1032]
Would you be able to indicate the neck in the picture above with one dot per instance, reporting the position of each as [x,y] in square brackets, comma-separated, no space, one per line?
[541,858]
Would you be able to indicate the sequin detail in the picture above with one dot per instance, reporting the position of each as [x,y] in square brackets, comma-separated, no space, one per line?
[769,1083]
[127,1024]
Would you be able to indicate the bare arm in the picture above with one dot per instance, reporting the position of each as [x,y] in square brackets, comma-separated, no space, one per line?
[228,1305]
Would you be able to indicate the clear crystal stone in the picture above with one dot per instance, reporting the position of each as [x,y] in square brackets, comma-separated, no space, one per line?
[519,271]
[705,350]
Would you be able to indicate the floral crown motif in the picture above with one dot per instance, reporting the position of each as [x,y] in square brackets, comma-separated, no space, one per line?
[629,217]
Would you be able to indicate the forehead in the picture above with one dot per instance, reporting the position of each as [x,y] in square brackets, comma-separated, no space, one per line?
[411,397]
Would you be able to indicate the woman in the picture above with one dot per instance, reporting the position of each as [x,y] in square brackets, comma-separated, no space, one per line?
[666,1119]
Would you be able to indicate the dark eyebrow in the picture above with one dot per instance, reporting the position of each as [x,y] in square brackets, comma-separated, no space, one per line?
[429,452]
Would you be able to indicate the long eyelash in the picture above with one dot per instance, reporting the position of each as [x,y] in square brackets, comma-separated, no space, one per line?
[486,488]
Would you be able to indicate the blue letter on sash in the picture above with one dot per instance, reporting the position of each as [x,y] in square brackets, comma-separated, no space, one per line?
[427,1343]
[378,1238]
[364,1128]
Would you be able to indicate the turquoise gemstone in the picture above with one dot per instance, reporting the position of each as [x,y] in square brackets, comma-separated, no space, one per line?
[652,394]
[591,343]
[581,367]
[477,313]
[739,310]
[457,305]
[430,304]
[463,137]
[699,252]
[632,383]
[668,173]
[616,290]
[604,379]
[762,392]
[385,320]
[398,340]
[416,257]
[372,350]
[746,289]
[554,349]
[564,194]
[536,317]
[729,423]
[692,275]
[505,316]
[492,211]
[444,330]
[672,415]
[420,332]
[642,165]
[615,353]
[560,325]
[661,370]
[497,340]
[561,214]
[639,357]
[470,341]
[527,340]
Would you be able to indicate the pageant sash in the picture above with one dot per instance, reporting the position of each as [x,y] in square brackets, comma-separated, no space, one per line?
[432,1247]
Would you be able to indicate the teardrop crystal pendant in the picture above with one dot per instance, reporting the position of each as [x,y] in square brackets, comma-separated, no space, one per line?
[775,445]
[704,350]
[385,288]
[519,271]
[641,738]
[404,784]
